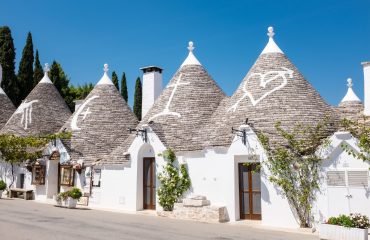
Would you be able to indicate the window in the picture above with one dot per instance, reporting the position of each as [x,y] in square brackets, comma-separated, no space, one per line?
[350,178]
[66,176]
[358,179]
[38,175]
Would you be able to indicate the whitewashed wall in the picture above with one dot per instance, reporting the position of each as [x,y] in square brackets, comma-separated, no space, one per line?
[333,200]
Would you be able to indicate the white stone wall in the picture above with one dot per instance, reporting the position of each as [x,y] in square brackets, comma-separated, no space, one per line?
[333,200]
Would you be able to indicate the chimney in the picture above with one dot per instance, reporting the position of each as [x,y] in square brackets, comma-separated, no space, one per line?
[78,103]
[366,66]
[152,87]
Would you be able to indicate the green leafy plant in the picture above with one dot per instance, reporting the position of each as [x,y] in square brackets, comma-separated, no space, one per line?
[2,185]
[75,193]
[62,196]
[294,165]
[354,220]
[360,129]
[174,181]
[15,150]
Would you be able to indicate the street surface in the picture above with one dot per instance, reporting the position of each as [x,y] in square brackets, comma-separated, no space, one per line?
[21,220]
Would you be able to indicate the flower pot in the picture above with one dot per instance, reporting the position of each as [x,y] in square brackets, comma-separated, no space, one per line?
[71,203]
[1,193]
[334,232]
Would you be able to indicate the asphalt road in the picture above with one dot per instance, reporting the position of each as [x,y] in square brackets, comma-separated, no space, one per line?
[21,219]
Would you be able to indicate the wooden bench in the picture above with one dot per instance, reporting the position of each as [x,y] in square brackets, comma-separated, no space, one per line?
[27,194]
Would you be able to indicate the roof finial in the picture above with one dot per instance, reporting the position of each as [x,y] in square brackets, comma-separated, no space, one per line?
[106,69]
[270,32]
[349,83]
[46,68]
[191,46]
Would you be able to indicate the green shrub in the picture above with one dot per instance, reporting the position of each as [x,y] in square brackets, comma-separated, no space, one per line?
[174,181]
[2,185]
[354,220]
[75,193]
[62,196]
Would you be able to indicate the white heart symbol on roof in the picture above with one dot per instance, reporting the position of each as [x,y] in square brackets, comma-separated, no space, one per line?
[263,83]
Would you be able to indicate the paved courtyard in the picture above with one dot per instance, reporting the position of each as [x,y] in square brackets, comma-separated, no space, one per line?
[21,219]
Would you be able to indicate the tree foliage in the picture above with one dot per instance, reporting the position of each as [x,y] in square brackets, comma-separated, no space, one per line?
[38,72]
[115,80]
[174,182]
[360,129]
[138,98]
[25,72]
[294,166]
[124,92]
[77,93]
[7,61]
[15,149]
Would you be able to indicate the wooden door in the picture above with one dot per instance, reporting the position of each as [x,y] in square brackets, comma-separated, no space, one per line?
[149,183]
[249,192]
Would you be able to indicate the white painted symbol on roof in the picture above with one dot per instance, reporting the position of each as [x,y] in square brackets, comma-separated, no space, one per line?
[80,111]
[263,82]
[26,110]
[166,110]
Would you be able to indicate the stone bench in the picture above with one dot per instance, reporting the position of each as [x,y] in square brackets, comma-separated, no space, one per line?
[27,194]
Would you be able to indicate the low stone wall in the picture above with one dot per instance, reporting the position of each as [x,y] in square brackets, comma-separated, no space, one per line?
[211,214]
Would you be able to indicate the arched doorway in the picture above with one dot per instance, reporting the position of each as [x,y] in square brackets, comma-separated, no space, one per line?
[149,180]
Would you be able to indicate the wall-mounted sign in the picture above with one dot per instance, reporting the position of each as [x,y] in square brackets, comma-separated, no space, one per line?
[83,201]
[38,175]
[55,155]
[96,177]
[66,177]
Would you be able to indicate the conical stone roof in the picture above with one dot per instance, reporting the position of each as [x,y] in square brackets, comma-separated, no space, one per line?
[273,90]
[44,111]
[350,107]
[177,115]
[100,124]
[6,106]
[185,104]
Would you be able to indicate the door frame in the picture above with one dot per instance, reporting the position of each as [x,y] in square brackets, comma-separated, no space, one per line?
[153,186]
[251,215]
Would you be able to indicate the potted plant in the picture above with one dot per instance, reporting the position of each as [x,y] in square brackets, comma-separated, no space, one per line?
[69,198]
[61,198]
[352,227]
[73,196]
[2,187]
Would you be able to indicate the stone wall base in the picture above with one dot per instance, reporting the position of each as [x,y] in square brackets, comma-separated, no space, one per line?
[211,214]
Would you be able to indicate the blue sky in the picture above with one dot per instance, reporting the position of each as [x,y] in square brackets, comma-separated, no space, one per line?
[326,40]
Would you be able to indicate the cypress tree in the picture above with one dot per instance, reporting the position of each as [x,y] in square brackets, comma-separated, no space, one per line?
[138,98]
[25,72]
[124,92]
[61,82]
[115,80]
[7,61]
[38,72]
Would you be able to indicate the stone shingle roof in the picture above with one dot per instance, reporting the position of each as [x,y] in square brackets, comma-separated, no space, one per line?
[6,108]
[184,105]
[350,107]
[44,111]
[273,90]
[100,124]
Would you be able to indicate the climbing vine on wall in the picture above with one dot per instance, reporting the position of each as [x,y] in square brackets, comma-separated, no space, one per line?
[361,130]
[294,166]
[174,181]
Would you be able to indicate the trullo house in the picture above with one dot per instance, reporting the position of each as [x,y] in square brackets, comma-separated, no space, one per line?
[43,112]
